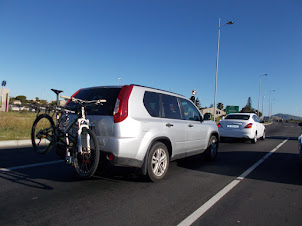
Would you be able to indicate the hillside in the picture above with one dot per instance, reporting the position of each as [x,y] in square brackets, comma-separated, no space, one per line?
[288,117]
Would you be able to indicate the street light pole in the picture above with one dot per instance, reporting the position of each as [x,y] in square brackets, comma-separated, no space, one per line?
[260,92]
[270,103]
[262,106]
[217,59]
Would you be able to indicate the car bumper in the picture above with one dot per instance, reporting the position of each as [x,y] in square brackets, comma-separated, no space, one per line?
[246,134]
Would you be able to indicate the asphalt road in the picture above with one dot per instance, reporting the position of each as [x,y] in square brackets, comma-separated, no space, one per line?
[53,194]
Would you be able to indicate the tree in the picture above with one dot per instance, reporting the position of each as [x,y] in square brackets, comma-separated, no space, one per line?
[220,106]
[197,103]
[192,98]
[22,99]
[211,106]
[248,107]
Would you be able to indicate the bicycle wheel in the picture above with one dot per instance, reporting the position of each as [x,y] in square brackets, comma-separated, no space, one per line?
[87,162]
[42,134]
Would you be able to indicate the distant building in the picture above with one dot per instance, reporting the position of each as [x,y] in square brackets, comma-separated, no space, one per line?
[219,113]
[17,102]
[4,99]
[62,102]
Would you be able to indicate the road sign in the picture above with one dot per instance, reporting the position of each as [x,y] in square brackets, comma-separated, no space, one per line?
[232,109]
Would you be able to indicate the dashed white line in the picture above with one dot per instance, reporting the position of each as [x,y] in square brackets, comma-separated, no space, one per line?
[211,202]
[30,165]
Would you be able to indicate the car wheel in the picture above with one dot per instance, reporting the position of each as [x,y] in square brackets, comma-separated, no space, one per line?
[300,155]
[158,162]
[254,140]
[263,136]
[212,150]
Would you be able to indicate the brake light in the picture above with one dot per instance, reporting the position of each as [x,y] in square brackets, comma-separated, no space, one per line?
[120,112]
[248,126]
[219,125]
[72,97]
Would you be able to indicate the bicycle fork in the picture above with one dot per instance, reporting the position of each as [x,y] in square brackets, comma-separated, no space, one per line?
[83,123]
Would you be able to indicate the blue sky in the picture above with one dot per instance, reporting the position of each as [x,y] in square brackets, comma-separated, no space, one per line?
[169,45]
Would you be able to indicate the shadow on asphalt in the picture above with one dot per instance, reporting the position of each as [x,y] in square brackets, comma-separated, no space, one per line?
[239,140]
[281,138]
[279,167]
[23,179]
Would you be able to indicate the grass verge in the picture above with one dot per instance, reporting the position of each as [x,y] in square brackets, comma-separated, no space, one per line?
[16,125]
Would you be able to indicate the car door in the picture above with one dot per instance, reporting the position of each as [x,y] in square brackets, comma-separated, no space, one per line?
[259,126]
[196,130]
[174,126]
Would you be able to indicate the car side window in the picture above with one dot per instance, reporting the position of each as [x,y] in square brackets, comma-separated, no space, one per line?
[151,102]
[256,119]
[189,111]
[170,107]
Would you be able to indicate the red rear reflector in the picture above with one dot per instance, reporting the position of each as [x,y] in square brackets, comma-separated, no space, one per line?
[248,126]
[219,125]
[121,106]
[110,157]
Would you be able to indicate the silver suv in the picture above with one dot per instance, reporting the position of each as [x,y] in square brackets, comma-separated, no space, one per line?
[147,128]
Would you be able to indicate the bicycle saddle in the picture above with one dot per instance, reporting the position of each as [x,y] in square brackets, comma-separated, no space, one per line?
[57,91]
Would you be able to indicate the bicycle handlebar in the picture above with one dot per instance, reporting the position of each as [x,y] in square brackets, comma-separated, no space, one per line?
[83,102]
[80,101]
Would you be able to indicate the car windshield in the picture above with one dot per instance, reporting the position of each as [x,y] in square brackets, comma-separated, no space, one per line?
[240,117]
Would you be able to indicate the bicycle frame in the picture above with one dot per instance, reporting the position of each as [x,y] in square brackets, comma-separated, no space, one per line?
[63,126]
[82,122]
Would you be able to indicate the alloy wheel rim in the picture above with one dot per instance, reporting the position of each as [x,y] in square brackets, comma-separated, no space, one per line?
[159,162]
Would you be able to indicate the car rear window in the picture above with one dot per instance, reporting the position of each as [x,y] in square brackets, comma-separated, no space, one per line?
[109,94]
[241,117]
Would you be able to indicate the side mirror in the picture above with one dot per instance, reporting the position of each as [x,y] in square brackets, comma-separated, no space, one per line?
[207,117]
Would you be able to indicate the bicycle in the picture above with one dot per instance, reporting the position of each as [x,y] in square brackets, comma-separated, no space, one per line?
[72,131]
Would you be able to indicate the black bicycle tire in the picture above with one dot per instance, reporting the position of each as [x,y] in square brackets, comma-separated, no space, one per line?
[33,130]
[78,162]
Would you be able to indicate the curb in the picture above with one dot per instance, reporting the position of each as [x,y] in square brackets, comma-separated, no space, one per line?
[15,143]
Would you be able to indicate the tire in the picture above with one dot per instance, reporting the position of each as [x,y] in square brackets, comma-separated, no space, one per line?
[263,136]
[212,150]
[158,162]
[42,134]
[254,140]
[86,163]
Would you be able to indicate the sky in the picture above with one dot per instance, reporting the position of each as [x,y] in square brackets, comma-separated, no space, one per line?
[165,44]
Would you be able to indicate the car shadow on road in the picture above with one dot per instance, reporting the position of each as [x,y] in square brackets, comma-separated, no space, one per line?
[279,167]
[281,138]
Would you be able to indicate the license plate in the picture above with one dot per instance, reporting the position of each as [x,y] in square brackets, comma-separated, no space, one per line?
[233,126]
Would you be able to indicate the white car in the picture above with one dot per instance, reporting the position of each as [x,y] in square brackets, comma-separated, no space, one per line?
[300,145]
[242,125]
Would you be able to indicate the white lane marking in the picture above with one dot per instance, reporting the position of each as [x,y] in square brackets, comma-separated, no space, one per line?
[211,202]
[30,165]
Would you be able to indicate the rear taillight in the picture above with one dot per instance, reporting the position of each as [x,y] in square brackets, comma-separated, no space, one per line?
[72,97]
[219,125]
[248,126]
[120,112]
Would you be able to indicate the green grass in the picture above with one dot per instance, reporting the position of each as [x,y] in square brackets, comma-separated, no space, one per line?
[16,125]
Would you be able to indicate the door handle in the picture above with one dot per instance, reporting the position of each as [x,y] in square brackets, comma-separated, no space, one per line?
[190,125]
[169,124]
